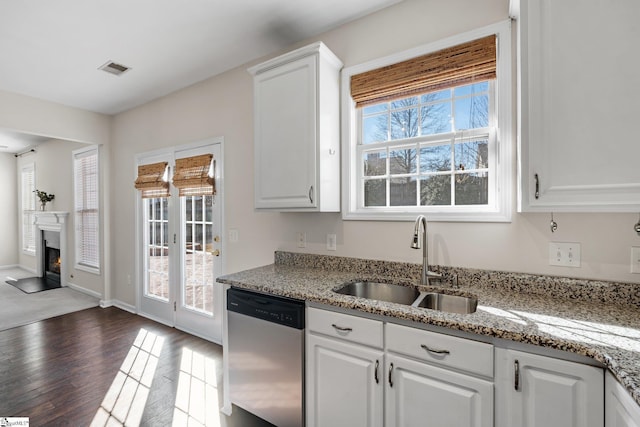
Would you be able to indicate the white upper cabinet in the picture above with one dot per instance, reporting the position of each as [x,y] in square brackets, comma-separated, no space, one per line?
[297,131]
[578,93]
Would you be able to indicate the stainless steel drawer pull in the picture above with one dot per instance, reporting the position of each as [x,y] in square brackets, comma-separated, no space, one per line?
[390,372]
[340,328]
[435,350]
[375,374]
[516,368]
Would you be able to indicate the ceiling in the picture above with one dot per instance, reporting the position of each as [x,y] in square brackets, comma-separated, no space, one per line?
[52,50]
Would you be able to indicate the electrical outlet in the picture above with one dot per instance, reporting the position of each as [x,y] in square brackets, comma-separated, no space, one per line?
[635,259]
[564,254]
[302,239]
[331,242]
[233,235]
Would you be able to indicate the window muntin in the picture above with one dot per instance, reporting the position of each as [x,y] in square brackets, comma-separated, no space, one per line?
[427,150]
[86,209]
[440,204]
[28,205]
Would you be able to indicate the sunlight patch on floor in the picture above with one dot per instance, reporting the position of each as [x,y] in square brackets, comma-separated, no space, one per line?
[126,398]
[197,395]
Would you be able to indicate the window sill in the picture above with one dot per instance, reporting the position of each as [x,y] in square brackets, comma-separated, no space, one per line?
[30,253]
[437,216]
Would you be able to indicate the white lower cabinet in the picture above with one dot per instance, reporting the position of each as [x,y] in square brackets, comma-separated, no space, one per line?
[620,409]
[353,381]
[539,391]
[418,394]
[343,388]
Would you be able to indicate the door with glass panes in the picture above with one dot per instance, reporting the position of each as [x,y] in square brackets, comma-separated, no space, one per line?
[181,253]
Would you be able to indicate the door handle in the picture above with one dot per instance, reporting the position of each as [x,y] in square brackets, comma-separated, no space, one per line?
[390,372]
[375,374]
[516,374]
[435,350]
[215,252]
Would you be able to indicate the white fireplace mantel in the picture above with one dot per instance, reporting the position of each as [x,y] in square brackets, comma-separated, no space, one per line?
[52,221]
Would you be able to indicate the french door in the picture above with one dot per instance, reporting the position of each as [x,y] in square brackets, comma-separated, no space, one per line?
[180,252]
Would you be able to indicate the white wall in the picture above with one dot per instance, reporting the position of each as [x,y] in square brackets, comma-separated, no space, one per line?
[222,106]
[8,210]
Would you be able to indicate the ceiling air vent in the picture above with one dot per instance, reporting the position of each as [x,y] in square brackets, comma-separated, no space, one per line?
[114,68]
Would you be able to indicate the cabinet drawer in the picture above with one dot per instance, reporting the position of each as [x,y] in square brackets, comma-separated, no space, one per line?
[344,326]
[439,349]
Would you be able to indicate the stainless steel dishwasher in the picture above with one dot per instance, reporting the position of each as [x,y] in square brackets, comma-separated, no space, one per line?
[266,356]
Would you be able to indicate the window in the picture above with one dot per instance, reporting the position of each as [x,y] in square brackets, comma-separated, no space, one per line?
[28,205]
[432,142]
[86,209]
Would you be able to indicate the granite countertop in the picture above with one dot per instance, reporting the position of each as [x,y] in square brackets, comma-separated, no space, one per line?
[596,319]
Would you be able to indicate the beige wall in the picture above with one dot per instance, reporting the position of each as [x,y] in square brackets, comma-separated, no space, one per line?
[34,116]
[222,106]
[54,174]
[8,210]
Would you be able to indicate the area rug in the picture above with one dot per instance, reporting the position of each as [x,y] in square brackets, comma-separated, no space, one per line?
[18,308]
[32,285]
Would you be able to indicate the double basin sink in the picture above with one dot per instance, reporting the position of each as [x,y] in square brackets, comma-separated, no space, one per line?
[410,296]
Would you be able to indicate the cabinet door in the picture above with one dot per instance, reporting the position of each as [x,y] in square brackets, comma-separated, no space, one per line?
[418,394]
[620,409]
[539,391]
[344,384]
[578,110]
[285,135]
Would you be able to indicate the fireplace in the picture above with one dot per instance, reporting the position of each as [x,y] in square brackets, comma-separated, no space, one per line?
[52,260]
[51,246]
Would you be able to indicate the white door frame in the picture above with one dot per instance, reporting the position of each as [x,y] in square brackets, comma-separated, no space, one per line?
[214,333]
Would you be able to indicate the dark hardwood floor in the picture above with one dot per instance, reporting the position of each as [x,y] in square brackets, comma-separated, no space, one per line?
[84,367]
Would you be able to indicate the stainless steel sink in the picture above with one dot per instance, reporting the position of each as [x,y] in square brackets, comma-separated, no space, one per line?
[449,303]
[381,291]
[408,295]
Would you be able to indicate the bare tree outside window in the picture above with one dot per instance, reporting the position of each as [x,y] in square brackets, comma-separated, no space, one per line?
[427,168]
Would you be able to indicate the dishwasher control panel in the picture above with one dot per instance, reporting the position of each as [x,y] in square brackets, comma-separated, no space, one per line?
[283,311]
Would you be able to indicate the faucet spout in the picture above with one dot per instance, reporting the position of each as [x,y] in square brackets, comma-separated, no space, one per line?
[420,240]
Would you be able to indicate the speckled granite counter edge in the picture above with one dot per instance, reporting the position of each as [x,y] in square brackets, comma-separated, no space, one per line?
[562,287]
[314,277]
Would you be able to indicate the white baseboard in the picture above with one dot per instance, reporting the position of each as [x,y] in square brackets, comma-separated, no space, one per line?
[29,269]
[117,303]
[84,290]
[7,267]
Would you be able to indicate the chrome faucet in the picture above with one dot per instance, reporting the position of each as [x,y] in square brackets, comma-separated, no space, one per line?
[421,241]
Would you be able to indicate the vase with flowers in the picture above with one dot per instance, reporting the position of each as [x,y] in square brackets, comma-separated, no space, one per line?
[44,198]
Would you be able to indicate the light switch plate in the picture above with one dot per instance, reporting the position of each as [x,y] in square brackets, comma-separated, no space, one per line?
[564,254]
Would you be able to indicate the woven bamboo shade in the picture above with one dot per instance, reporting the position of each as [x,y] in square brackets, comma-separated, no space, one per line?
[150,181]
[192,178]
[454,66]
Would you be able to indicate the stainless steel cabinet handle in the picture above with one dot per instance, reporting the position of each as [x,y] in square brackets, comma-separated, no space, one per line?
[375,374]
[390,372]
[341,328]
[435,350]
[311,194]
[516,369]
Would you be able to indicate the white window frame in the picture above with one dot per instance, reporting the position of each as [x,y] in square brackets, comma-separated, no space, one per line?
[499,207]
[27,207]
[83,264]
